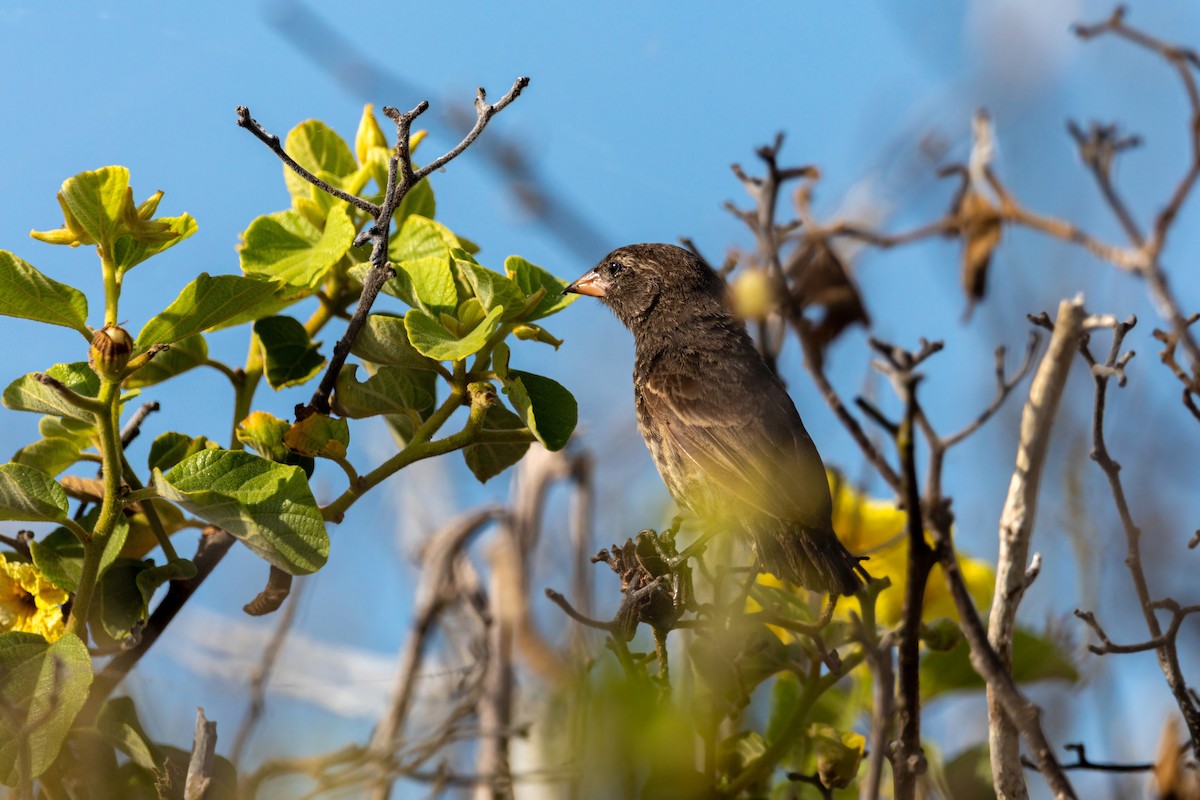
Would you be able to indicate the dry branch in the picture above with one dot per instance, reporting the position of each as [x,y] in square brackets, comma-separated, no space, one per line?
[1016,529]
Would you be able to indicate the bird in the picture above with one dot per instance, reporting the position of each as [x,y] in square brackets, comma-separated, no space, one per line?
[722,430]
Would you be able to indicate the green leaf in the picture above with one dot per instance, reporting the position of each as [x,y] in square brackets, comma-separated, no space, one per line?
[50,456]
[320,436]
[391,390]
[420,252]
[42,687]
[204,303]
[547,408]
[119,605]
[383,339]
[28,294]
[31,495]
[368,135]
[1035,658]
[421,237]
[263,433]
[126,589]
[29,394]
[486,460]
[59,557]
[290,356]
[493,289]
[59,554]
[148,581]
[54,427]
[95,199]
[129,251]
[267,505]
[536,333]
[431,338]
[403,425]
[286,247]
[318,148]
[118,723]
[169,448]
[182,356]
[530,278]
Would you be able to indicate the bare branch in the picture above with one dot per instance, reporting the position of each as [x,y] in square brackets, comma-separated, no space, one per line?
[244,120]
[1164,642]
[1016,530]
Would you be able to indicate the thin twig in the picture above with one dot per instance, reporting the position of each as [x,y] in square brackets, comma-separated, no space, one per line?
[1165,649]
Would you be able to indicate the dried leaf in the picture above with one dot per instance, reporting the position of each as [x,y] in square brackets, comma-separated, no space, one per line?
[1176,781]
[819,277]
[980,227]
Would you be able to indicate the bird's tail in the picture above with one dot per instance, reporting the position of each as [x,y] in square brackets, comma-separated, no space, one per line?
[813,558]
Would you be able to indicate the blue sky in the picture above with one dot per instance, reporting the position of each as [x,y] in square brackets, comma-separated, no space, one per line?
[634,114]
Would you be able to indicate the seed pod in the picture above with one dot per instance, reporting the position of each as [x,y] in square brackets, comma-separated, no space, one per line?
[109,353]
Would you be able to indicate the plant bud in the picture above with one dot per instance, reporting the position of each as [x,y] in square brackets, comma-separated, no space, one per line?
[109,353]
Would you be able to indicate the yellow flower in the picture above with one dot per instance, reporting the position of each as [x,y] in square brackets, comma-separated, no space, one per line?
[876,528]
[29,602]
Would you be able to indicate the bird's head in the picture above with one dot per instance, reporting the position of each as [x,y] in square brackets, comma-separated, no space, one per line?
[644,281]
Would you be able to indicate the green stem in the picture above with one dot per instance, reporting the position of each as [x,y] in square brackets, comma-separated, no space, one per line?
[112,286]
[145,497]
[779,748]
[108,424]
[419,447]
[244,388]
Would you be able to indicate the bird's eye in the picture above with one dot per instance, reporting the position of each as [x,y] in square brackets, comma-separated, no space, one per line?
[614,267]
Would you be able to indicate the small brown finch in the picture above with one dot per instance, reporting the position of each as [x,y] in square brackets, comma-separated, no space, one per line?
[723,431]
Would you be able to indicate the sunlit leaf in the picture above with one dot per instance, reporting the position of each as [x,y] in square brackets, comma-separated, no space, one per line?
[432,339]
[320,436]
[182,356]
[286,247]
[267,505]
[204,303]
[28,494]
[318,148]
[27,293]
[530,277]
[27,393]
[169,448]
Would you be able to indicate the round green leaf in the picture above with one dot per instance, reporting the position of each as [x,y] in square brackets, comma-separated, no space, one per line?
[286,247]
[431,338]
[290,356]
[486,460]
[547,408]
[42,687]
[318,148]
[391,390]
[384,340]
[267,505]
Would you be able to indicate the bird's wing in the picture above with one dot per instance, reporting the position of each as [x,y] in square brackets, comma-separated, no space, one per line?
[745,439]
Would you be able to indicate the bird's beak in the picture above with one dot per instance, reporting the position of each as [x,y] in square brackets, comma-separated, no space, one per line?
[590,283]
